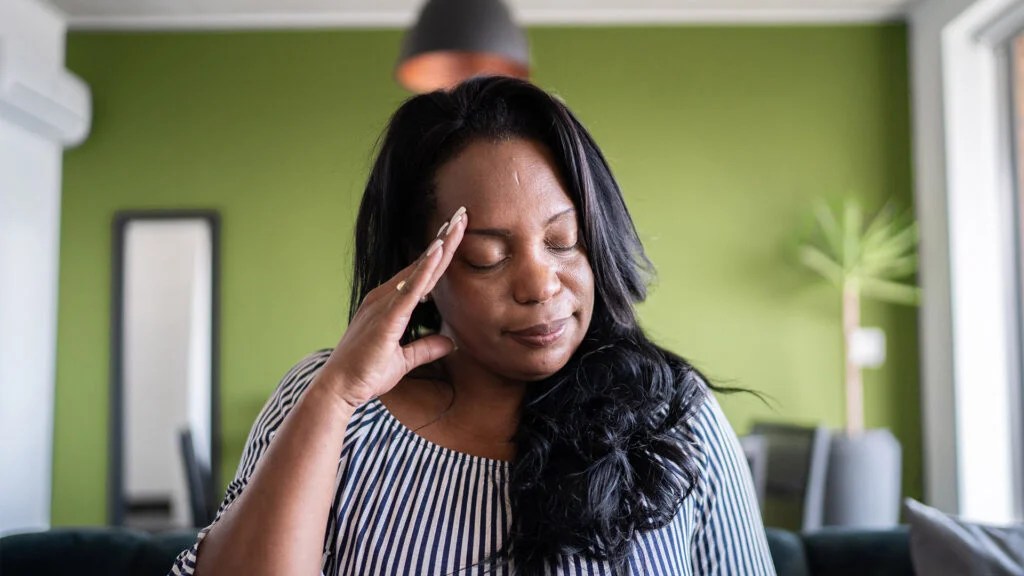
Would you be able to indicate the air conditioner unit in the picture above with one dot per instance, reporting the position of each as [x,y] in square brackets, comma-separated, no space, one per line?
[39,97]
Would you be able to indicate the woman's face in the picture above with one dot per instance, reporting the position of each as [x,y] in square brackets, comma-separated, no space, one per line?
[518,296]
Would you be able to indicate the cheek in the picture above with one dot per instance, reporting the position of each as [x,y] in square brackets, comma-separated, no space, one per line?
[579,278]
[466,303]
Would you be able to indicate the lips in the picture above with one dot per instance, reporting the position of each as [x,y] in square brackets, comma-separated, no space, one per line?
[540,335]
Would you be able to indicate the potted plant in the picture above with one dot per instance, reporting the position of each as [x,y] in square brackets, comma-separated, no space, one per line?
[863,258]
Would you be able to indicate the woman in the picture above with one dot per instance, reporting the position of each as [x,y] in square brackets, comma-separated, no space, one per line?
[496,407]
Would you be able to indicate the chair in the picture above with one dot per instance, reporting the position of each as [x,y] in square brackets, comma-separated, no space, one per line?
[794,474]
[199,481]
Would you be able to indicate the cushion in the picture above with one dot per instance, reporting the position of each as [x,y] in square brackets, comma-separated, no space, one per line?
[943,545]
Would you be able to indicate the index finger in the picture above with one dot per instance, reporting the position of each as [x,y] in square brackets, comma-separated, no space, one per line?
[387,288]
[419,278]
[453,237]
[411,288]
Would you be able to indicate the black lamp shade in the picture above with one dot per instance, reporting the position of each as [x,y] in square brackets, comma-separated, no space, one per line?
[453,40]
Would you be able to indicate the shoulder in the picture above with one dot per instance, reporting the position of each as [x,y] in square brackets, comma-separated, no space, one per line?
[287,393]
[711,433]
[723,479]
[303,371]
[297,378]
[709,421]
[726,521]
[276,408]
[294,384]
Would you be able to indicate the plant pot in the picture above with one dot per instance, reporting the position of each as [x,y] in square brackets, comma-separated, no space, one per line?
[862,487]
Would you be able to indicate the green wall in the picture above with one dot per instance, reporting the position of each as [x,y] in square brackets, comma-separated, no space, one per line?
[720,138]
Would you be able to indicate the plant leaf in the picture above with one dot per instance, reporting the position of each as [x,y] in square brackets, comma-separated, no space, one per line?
[897,243]
[891,291]
[830,231]
[880,226]
[891,268]
[820,262]
[869,259]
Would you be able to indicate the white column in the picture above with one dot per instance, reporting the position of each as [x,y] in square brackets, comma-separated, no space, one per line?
[969,351]
[42,109]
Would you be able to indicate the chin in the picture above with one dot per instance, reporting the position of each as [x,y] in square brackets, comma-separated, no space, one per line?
[538,370]
[536,377]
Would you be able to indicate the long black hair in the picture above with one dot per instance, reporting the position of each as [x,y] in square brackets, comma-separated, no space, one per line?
[604,447]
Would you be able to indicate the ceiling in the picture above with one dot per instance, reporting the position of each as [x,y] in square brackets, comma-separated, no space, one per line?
[229,14]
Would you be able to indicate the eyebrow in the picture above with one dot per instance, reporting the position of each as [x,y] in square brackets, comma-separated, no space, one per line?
[505,233]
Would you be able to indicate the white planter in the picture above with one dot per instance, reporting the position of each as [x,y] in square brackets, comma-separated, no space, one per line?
[862,488]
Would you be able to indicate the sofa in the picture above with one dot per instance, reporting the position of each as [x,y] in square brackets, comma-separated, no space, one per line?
[91,552]
[121,552]
[841,552]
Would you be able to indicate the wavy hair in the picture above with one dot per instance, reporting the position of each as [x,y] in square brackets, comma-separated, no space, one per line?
[604,447]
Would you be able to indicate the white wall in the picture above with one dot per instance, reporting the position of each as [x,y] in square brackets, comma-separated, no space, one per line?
[969,349]
[30,180]
[29,238]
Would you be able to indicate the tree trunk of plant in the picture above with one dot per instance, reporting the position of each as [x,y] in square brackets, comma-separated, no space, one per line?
[854,386]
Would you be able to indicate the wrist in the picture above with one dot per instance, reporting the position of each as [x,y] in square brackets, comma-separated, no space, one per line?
[334,391]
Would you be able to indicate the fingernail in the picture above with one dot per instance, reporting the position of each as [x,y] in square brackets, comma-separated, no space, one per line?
[442,230]
[455,217]
[434,246]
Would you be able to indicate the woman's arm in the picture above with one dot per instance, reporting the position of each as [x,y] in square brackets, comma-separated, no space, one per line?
[277,523]
[264,430]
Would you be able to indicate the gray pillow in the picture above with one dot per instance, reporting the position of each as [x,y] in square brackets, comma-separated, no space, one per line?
[943,545]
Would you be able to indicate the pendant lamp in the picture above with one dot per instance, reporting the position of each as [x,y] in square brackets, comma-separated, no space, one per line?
[454,40]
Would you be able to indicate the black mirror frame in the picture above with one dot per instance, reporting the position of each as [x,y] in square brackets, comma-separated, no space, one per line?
[115,485]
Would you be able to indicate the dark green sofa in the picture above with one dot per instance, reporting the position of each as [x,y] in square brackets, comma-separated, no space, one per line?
[115,552]
[842,552]
[91,551]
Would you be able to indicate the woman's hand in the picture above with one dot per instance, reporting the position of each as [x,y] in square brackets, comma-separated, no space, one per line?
[369,360]
[289,486]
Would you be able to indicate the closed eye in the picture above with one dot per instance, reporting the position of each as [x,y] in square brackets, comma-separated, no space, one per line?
[484,267]
[563,247]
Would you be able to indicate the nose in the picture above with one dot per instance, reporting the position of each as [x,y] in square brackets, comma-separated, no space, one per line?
[536,280]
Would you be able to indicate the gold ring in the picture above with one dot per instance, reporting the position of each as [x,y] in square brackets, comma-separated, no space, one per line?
[401,286]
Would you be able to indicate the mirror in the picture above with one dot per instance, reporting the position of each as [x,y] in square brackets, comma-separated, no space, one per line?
[164,432]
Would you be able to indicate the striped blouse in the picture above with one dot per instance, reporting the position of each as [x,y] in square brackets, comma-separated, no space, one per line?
[404,505]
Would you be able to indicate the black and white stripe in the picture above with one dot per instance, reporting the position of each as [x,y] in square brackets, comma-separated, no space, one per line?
[404,505]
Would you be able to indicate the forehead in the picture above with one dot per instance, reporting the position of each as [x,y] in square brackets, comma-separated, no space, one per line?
[500,182]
